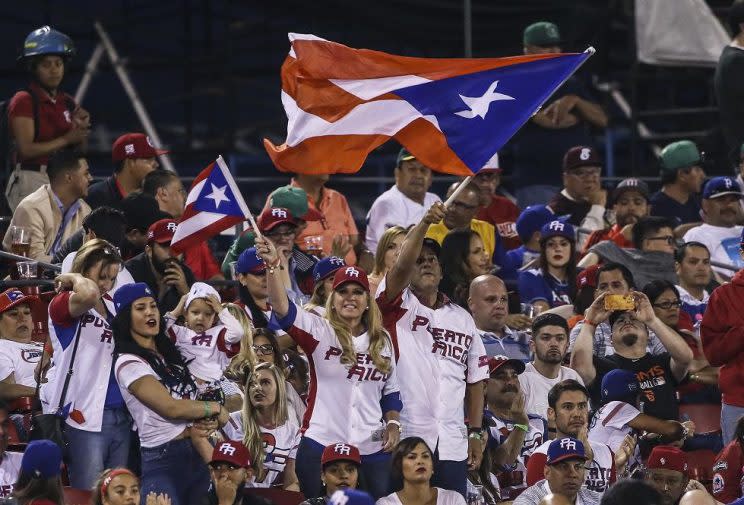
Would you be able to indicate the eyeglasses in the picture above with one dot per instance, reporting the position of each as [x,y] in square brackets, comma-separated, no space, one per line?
[669,239]
[668,305]
[263,350]
[585,172]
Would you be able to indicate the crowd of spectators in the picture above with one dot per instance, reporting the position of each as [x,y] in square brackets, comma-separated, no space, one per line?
[543,349]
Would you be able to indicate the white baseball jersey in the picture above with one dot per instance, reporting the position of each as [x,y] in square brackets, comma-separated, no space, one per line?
[10,467]
[86,394]
[438,351]
[394,208]
[600,471]
[19,359]
[207,353]
[279,444]
[610,423]
[513,478]
[153,429]
[344,401]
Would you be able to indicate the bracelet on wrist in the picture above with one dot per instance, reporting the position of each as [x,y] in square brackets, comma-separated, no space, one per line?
[396,423]
[207,409]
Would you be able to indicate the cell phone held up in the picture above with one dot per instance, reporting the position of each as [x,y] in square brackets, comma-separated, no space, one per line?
[619,302]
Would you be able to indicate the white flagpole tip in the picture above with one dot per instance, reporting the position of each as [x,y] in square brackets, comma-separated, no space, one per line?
[590,50]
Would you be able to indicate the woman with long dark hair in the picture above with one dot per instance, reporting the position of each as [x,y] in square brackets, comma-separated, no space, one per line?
[98,424]
[339,470]
[350,356]
[39,481]
[159,390]
[413,464]
[553,282]
[463,258]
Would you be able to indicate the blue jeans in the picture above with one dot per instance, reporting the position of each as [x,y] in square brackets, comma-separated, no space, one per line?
[452,475]
[107,448]
[374,473]
[729,417]
[176,469]
[537,194]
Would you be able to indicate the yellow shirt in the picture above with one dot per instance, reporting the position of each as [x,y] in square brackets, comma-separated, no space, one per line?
[486,231]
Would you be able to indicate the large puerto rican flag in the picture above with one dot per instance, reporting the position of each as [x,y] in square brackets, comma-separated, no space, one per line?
[214,204]
[452,114]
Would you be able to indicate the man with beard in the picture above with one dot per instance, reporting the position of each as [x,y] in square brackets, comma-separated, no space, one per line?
[692,263]
[720,232]
[630,202]
[512,434]
[666,470]
[569,411]
[658,375]
[548,345]
[160,268]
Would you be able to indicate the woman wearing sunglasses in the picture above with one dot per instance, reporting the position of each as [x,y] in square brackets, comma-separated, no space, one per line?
[266,429]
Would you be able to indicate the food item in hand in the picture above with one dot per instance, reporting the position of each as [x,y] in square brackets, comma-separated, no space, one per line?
[619,302]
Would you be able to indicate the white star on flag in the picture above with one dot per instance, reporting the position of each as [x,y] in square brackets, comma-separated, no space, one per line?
[479,105]
[218,195]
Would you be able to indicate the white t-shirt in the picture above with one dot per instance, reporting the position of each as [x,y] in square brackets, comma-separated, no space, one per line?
[20,359]
[10,467]
[444,497]
[723,244]
[153,429]
[124,277]
[610,423]
[207,353]
[536,386]
[394,208]
[280,444]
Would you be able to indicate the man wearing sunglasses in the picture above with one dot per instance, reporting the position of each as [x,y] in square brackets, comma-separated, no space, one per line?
[720,231]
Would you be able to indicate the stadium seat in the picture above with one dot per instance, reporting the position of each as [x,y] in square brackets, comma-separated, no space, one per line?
[77,496]
[706,416]
[701,467]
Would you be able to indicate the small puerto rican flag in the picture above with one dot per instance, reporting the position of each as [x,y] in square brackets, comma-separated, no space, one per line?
[214,204]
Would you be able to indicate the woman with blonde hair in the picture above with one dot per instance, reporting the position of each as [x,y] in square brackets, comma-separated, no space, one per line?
[98,424]
[266,429]
[350,356]
[387,252]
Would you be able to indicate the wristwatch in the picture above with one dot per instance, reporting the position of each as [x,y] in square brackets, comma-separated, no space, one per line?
[476,433]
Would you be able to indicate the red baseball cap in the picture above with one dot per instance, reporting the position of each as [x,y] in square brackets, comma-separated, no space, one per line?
[14,296]
[587,277]
[581,156]
[667,457]
[134,145]
[232,452]
[162,231]
[496,362]
[340,452]
[351,274]
[274,216]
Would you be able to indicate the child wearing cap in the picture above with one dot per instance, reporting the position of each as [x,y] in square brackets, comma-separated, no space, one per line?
[351,359]
[552,283]
[209,337]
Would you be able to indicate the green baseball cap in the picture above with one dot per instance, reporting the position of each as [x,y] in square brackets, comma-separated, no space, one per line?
[542,33]
[294,199]
[404,155]
[241,243]
[678,155]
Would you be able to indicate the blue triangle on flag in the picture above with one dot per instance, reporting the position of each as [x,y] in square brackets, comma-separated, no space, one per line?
[217,196]
[479,112]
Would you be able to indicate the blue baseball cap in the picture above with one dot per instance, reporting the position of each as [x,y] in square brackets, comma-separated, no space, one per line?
[721,186]
[348,496]
[557,228]
[42,459]
[618,384]
[250,262]
[327,267]
[532,219]
[565,448]
[128,293]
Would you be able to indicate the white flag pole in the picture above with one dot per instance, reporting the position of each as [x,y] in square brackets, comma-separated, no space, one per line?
[464,183]
[239,196]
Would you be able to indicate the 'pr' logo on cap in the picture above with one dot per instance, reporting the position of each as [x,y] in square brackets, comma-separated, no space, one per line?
[568,444]
[171,226]
[279,213]
[227,449]
[556,225]
[129,148]
[351,272]
[342,449]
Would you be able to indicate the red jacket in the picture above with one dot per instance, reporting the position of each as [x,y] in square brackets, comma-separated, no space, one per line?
[722,335]
[727,473]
